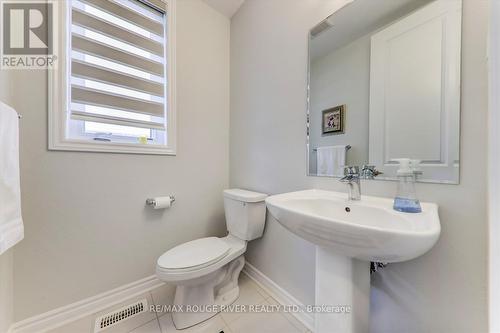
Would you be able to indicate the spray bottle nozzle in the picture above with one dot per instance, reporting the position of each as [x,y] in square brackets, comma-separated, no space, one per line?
[404,166]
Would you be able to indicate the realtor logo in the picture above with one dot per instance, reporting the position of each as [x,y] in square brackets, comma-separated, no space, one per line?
[27,35]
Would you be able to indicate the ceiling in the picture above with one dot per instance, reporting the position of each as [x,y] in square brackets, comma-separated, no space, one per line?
[226,7]
[369,16]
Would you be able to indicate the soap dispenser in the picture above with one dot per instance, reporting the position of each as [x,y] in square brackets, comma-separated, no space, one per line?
[416,168]
[406,198]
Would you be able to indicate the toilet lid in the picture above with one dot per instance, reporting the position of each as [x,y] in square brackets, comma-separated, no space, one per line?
[200,252]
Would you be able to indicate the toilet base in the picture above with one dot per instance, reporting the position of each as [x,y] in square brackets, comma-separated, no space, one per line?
[201,298]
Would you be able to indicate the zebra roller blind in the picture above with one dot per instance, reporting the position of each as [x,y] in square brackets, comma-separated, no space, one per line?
[118,63]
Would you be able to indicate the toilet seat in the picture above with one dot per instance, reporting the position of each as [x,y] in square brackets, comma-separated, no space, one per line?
[194,255]
[236,247]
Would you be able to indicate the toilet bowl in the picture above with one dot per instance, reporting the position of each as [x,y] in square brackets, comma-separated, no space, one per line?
[206,270]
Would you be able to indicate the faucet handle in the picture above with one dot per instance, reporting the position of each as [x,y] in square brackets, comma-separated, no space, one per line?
[369,172]
[352,170]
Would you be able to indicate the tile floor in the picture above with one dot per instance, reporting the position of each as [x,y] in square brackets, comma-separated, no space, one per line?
[250,294]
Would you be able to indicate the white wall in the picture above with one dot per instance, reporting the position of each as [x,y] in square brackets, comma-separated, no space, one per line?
[86,227]
[346,72]
[444,290]
[6,259]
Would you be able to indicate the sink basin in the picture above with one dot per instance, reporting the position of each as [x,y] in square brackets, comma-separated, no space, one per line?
[368,229]
[349,234]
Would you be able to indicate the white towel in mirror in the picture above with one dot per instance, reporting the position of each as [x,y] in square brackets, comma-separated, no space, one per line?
[11,222]
[331,160]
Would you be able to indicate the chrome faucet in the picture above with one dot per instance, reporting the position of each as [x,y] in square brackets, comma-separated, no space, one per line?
[351,178]
[369,172]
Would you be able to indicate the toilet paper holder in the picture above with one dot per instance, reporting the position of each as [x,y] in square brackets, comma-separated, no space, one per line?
[152,201]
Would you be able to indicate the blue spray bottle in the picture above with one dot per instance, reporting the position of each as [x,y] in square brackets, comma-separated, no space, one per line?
[406,198]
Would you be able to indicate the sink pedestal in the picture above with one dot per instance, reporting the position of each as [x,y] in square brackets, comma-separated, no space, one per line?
[341,281]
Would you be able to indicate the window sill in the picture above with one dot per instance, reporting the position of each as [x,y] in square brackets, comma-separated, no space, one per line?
[111,147]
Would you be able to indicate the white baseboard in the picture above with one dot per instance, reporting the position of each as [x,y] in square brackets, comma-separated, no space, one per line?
[279,294]
[69,313]
[72,312]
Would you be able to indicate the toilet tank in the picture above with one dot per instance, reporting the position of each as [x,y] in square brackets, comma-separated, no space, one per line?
[245,213]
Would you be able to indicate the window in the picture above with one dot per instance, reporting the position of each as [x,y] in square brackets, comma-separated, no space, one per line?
[117,77]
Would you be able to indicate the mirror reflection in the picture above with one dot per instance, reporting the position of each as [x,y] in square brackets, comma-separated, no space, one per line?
[386,86]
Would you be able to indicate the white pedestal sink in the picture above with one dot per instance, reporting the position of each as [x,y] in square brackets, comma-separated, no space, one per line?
[348,235]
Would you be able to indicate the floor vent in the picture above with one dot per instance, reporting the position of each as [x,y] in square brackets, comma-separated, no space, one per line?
[110,319]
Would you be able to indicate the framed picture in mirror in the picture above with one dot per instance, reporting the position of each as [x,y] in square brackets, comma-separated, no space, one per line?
[333,120]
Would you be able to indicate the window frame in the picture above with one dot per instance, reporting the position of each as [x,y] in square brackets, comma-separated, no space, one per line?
[59,102]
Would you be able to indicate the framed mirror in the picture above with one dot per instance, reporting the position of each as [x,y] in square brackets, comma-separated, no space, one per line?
[384,83]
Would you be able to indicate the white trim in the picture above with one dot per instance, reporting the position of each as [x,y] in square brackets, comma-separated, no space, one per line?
[58,97]
[69,313]
[171,93]
[86,307]
[493,167]
[279,294]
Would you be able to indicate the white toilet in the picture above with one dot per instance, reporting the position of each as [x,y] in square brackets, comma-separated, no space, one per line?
[206,270]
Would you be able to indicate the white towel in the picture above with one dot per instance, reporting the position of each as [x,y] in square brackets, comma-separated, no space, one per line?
[11,222]
[331,160]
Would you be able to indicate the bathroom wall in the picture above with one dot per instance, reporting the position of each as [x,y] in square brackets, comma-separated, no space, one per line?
[346,71]
[87,229]
[442,291]
[5,90]
[6,290]
[6,259]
